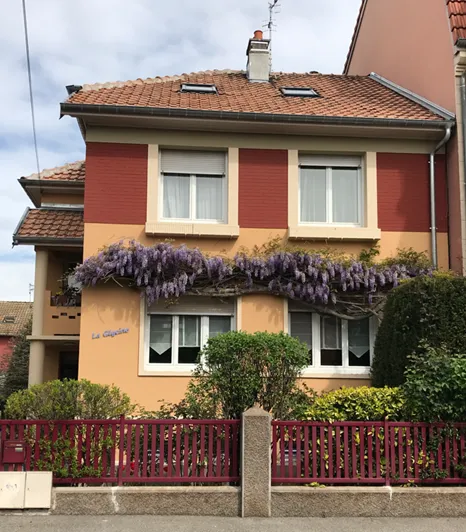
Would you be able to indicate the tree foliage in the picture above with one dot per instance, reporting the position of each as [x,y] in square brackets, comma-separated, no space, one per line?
[69,399]
[344,287]
[435,387]
[239,370]
[427,309]
[16,375]
[358,404]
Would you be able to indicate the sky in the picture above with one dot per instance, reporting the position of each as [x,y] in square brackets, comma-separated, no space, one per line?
[88,41]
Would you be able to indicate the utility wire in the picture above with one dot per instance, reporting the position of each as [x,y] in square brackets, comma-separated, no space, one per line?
[31,98]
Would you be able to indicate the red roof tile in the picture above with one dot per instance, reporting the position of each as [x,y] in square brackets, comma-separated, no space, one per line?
[51,223]
[457,16]
[14,315]
[340,96]
[68,172]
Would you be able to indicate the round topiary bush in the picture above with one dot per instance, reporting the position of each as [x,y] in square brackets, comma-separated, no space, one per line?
[429,310]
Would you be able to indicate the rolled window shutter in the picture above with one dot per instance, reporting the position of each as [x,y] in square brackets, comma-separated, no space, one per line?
[202,306]
[350,161]
[193,162]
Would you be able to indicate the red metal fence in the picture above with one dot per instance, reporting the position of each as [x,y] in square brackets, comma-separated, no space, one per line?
[368,453]
[127,451]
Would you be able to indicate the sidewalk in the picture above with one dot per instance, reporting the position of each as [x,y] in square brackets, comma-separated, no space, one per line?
[45,523]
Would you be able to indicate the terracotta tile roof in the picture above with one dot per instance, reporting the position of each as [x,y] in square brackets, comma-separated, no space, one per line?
[457,15]
[68,172]
[340,96]
[51,223]
[14,315]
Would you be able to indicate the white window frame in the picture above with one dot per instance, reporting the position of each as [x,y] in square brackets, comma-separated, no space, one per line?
[345,369]
[174,365]
[329,164]
[192,195]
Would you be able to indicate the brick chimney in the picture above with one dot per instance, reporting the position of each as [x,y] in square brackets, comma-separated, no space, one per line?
[258,52]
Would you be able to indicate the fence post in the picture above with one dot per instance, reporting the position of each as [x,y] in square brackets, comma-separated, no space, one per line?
[121,449]
[386,432]
[256,463]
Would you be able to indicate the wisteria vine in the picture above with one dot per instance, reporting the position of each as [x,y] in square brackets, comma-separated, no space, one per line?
[163,271]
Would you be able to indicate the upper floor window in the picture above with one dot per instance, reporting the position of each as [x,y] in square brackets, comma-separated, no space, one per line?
[194,186]
[330,190]
[336,345]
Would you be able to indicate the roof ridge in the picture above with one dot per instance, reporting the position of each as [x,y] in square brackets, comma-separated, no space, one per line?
[156,79]
[48,172]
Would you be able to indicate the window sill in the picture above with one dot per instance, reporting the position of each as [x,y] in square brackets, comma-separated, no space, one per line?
[336,373]
[192,229]
[166,372]
[310,232]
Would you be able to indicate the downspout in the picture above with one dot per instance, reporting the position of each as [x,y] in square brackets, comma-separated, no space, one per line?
[433,220]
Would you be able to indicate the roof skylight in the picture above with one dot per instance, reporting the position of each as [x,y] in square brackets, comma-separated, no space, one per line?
[303,92]
[201,88]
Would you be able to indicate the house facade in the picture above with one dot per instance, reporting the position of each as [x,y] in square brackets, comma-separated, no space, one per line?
[14,316]
[421,46]
[222,161]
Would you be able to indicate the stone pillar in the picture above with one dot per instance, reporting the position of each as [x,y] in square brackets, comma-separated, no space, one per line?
[256,463]
[37,350]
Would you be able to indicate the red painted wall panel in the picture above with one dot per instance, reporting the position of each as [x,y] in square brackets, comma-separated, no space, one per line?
[116,183]
[403,192]
[263,188]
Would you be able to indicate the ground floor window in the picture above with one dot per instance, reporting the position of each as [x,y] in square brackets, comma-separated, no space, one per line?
[343,346]
[175,335]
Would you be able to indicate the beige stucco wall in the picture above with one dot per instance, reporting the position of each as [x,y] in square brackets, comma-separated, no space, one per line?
[408,45]
[62,199]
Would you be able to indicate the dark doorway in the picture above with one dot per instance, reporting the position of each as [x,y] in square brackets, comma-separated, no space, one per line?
[68,365]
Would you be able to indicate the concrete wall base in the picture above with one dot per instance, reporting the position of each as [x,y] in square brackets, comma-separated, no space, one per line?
[368,502]
[201,501]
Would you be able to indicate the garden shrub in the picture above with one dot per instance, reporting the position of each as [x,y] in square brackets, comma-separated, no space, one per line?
[430,309]
[358,404]
[435,387]
[69,399]
[239,370]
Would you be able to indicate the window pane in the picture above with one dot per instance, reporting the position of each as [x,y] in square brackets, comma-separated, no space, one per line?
[313,195]
[345,194]
[330,341]
[301,328]
[219,325]
[160,342]
[189,343]
[359,344]
[209,200]
[176,196]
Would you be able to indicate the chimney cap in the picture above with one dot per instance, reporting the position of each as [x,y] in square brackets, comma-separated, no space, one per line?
[258,35]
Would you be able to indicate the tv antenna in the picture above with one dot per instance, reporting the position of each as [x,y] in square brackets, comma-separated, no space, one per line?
[270,25]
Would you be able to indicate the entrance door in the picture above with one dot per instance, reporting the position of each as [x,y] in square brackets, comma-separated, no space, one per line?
[68,366]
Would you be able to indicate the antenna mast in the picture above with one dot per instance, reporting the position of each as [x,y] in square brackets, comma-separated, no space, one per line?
[273,5]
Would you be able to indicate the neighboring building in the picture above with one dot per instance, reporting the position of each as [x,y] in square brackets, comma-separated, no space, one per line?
[224,160]
[14,316]
[421,45]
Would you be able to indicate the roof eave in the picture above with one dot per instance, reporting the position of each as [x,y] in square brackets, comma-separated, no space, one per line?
[32,187]
[50,241]
[81,110]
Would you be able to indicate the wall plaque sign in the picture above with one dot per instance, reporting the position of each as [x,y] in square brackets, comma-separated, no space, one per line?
[110,333]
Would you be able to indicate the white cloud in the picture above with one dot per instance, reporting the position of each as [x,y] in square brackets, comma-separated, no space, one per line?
[106,40]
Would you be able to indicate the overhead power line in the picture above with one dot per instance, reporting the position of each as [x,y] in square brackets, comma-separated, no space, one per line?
[31,97]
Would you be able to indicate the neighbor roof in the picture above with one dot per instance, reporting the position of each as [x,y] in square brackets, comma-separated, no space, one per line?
[51,225]
[68,172]
[457,16]
[19,312]
[340,96]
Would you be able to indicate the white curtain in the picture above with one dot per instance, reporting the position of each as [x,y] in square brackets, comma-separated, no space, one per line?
[176,196]
[358,337]
[345,195]
[189,331]
[160,333]
[330,332]
[313,195]
[209,198]
[301,327]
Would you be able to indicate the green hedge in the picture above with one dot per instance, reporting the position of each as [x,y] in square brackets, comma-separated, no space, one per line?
[358,404]
[426,309]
